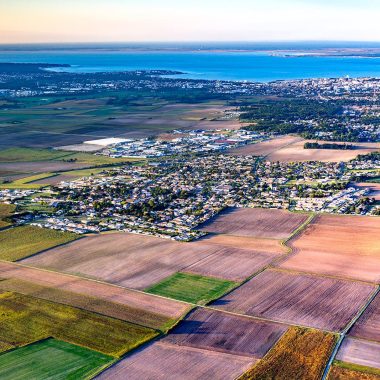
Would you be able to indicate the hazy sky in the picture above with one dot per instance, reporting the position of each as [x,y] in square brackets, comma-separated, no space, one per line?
[188,20]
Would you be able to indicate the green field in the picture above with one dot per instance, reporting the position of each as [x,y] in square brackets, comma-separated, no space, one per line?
[5,212]
[86,172]
[24,320]
[31,154]
[27,182]
[51,359]
[20,242]
[191,288]
[34,154]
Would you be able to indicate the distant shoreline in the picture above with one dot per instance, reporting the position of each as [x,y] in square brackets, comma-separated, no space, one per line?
[283,52]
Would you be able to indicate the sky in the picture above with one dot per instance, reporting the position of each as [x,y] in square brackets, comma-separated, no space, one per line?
[33,21]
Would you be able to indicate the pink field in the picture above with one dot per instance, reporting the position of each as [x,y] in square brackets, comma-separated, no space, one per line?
[256,222]
[231,264]
[368,326]
[346,246]
[217,331]
[147,302]
[306,300]
[246,242]
[266,147]
[138,261]
[360,352]
[164,361]
[296,152]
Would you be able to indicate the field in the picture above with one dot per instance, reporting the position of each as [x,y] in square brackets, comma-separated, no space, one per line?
[304,300]
[368,326]
[345,371]
[35,181]
[163,361]
[296,152]
[245,242]
[26,155]
[24,320]
[42,124]
[139,262]
[213,330]
[137,307]
[22,166]
[191,288]
[20,242]
[23,169]
[70,176]
[232,264]
[32,155]
[51,358]
[344,246]
[299,354]
[267,147]
[89,303]
[5,212]
[360,352]
[259,223]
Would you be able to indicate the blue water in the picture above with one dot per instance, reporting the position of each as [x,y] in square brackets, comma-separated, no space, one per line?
[253,65]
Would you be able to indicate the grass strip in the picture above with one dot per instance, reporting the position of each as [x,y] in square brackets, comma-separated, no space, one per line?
[191,288]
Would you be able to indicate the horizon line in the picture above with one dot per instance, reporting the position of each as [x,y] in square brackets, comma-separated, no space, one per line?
[190,42]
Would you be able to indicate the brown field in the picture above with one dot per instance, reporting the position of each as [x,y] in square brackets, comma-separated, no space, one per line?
[138,261]
[296,152]
[360,352]
[147,303]
[368,325]
[266,147]
[139,123]
[341,373]
[246,242]
[255,222]
[306,300]
[88,303]
[209,125]
[164,361]
[55,179]
[299,354]
[374,189]
[40,166]
[345,246]
[217,331]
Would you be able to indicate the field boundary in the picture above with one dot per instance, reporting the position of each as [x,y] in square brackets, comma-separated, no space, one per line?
[273,263]
[81,308]
[44,250]
[191,306]
[331,276]
[346,330]
[90,279]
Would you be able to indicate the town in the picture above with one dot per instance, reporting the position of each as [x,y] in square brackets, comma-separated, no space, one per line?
[170,197]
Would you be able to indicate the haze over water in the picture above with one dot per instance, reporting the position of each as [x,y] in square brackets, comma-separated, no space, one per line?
[200,64]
